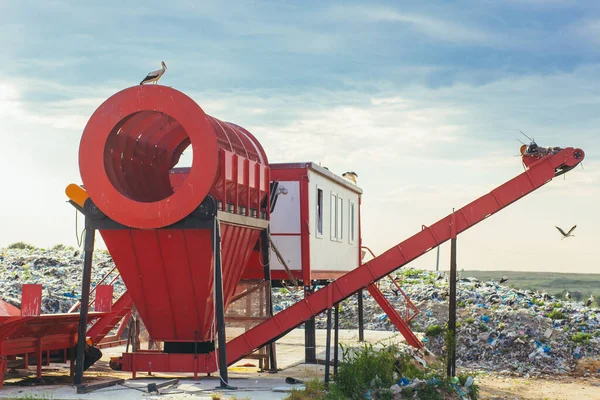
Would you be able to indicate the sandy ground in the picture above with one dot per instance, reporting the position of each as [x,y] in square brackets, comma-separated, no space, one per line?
[254,385]
[567,388]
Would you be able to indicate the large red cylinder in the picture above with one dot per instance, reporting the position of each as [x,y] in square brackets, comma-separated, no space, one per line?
[133,141]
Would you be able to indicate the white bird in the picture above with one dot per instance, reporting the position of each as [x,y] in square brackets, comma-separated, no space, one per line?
[351,176]
[568,234]
[568,296]
[154,76]
[589,301]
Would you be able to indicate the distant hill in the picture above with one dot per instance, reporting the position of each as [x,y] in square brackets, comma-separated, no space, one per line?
[579,285]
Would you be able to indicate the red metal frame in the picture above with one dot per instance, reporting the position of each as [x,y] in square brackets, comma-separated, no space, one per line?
[409,305]
[31,333]
[119,312]
[393,315]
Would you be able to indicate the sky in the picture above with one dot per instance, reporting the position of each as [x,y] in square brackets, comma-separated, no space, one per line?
[423,100]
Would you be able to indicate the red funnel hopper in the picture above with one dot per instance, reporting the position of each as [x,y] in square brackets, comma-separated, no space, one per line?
[127,159]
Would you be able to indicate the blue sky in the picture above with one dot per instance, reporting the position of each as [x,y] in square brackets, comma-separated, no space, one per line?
[423,100]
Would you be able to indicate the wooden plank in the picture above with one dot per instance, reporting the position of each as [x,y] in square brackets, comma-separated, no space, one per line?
[90,387]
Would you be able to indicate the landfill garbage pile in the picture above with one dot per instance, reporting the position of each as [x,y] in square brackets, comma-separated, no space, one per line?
[58,270]
[499,328]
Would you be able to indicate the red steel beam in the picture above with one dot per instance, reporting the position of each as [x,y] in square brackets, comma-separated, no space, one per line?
[393,315]
[539,173]
[104,325]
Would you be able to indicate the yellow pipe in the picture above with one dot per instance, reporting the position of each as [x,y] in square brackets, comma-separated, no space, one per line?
[77,194]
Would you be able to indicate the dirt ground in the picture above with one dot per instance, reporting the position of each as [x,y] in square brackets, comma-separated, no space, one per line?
[491,386]
[584,383]
[562,387]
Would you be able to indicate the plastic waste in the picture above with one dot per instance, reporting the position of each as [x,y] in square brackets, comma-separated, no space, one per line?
[469,382]
[403,382]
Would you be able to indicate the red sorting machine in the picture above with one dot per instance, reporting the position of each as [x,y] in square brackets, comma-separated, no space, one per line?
[155,218]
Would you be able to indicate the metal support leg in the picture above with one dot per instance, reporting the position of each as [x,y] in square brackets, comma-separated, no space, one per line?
[336,320]
[361,323]
[85,298]
[310,342]
[220,307]
[72,359]
[39,361]
[264,241]
[328,346]
[451,370]
[2,364]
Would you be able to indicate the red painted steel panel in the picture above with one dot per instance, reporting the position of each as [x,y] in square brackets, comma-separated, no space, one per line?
[304,229]
[179,282]
[31,300]
[164,362]
[104,298]
[8,310]
[169,274]
[199,251]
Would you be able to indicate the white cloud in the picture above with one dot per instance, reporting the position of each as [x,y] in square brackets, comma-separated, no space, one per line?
[418,153]
[435,28]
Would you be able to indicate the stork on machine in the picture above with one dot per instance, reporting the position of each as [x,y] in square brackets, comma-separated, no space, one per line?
[192,243]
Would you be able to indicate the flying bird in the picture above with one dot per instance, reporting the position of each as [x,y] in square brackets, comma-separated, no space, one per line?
[568,234]
[589,301]
[504,279]
[154,76]
[351,176]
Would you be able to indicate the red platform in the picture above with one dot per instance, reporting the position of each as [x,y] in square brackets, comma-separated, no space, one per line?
[26,331]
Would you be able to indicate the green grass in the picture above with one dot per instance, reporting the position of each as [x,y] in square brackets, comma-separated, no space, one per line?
[556,314]
[434,330]
[581,286]
[314,390]
[43,396]
[21,246]
[580,337]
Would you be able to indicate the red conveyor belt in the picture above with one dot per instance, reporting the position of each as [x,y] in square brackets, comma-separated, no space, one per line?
[538,174]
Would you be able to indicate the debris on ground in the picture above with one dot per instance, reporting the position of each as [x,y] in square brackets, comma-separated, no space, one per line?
[389,371]
[499,328]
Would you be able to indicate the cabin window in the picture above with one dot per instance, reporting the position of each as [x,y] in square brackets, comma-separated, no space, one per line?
[351,222]
[340,219]
[319,212]
[334,217]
